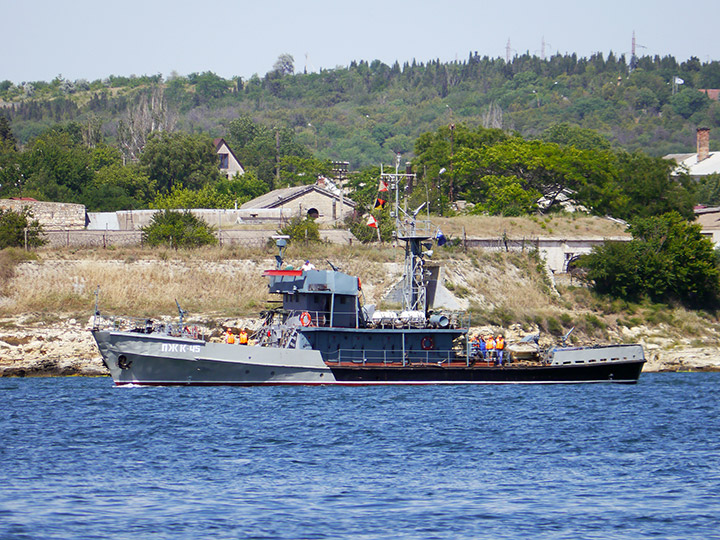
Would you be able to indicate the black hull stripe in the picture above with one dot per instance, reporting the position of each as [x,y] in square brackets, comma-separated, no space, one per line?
[385,383]
[621,373]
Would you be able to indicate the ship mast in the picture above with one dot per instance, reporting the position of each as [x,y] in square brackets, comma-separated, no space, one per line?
[413,232]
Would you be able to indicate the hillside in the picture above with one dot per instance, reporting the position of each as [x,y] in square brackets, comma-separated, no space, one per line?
[46,303]
[368,111]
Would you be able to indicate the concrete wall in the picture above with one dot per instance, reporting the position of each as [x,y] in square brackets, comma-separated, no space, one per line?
[133,220]
[129,220]
[555,251]
[243,238]
[51,215]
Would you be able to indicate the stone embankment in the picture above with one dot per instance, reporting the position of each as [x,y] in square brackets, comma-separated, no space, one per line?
[65,347]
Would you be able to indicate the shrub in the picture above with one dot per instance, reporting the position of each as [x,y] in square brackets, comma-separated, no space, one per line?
[667,259]
[554,327]
[357,224]
[13,226]
[594,322]
[178,229]
[300,230]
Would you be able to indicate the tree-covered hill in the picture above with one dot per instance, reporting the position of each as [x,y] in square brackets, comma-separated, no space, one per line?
[367,111]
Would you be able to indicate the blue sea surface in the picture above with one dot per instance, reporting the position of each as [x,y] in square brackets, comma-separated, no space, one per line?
[80,458]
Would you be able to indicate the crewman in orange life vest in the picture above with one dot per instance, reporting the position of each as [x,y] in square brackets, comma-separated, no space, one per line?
[229,337]
[243,338]
[500,347]
[490,346]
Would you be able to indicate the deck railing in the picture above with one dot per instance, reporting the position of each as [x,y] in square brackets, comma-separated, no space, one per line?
[148,326]
[322,319]
[397,358]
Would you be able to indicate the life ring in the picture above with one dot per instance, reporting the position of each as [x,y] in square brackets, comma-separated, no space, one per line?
[427,343]
[305,319]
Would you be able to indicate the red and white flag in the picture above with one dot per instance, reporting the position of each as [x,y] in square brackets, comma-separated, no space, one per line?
[383,186]
[371,222]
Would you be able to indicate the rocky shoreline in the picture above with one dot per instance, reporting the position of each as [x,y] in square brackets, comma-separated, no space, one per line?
[32,348]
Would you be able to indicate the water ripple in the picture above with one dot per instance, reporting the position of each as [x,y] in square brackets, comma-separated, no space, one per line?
[79,459]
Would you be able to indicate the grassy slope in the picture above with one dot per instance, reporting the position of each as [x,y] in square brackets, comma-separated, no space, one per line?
[501,290]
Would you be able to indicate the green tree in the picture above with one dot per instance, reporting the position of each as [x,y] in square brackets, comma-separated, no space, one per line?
[224,194]
[131,179]
[302,230]
[507,196]
[13,227]
[708,190]
[7,139]
[241,188]
[284,65]
[177,229]
[183,198]
[180,159]
[668,259]
[208,86]
[689,101]
[566,134]
[437,152]
[10,173]
[647,187]
[364,186]
[56,166]
[104,155]
[298,171]
[259,147]
[107,198]
[357,223]
[545,168]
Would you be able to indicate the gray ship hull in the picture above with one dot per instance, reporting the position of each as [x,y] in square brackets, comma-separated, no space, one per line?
[158,359]
[154,359]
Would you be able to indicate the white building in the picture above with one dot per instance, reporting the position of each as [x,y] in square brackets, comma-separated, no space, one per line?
[703,162]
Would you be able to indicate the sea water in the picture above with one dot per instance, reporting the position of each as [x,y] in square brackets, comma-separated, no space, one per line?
[80,458]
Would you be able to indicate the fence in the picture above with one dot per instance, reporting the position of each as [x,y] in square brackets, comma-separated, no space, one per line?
[85,238]
[102,239]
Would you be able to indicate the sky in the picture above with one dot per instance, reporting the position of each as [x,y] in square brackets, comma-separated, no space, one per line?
[92,39]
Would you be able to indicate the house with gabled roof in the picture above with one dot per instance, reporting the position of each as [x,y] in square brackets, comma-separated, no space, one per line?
[701,163]
[229,164]
[322,201]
